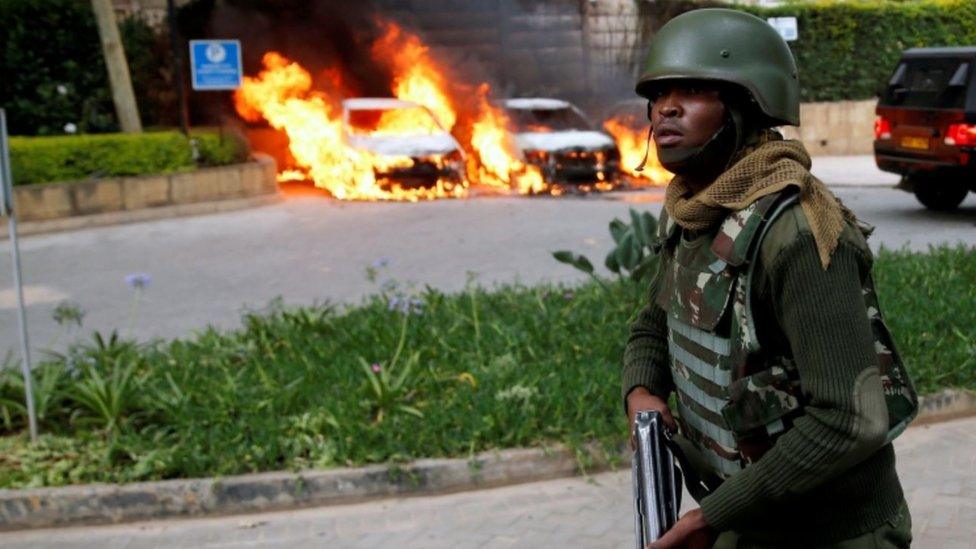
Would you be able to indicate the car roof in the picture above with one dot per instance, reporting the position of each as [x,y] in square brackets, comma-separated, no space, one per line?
[962,51]
[376,104]
[536,104]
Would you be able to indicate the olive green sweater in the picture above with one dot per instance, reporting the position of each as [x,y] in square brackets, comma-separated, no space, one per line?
[831,476]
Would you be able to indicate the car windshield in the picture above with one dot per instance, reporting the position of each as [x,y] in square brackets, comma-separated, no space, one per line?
[546,120]
[933,83]
[393,121]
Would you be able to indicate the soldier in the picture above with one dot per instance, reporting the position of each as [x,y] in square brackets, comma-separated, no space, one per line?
[762,317]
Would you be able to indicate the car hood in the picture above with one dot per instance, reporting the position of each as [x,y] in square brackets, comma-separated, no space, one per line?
[565,140]
[396,145]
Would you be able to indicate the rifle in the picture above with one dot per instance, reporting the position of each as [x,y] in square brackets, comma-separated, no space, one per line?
[657,480]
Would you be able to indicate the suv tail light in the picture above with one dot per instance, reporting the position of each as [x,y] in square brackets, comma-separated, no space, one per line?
[882,128]
[961,135]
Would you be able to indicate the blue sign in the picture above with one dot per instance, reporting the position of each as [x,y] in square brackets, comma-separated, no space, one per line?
[216,64]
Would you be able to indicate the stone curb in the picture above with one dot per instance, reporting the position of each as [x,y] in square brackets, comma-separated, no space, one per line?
[108,503]
[48,207]
[28,228]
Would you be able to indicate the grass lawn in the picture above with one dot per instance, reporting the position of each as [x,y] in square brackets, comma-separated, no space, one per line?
[401,376]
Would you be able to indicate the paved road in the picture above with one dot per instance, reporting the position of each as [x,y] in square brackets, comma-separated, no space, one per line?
[937,465]
[306,248]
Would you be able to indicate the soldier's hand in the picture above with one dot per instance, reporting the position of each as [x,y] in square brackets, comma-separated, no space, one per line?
[690,532]
[640,399]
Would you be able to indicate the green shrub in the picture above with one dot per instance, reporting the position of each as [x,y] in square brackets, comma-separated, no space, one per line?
[219,148]
[848,48]
[929,301]
[65,158]
[399,377]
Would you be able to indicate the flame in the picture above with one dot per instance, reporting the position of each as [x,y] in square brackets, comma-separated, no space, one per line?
[311,117]
[632,143]
[418,78]
[497,163]
[282,94]
[290,175]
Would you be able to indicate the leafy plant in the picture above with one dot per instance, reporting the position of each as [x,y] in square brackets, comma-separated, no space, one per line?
[389,390]
[107,394]
[632,257]
[289,389]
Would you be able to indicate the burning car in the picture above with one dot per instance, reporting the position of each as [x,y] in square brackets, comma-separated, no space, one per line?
[555,136]
[408,146]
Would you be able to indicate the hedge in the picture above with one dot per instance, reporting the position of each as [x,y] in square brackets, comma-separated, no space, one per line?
[65,158]
[848,48]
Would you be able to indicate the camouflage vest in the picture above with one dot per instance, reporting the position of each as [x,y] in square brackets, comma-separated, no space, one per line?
[734,399]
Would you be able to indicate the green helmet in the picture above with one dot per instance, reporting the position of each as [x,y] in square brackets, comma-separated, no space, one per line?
[727,46]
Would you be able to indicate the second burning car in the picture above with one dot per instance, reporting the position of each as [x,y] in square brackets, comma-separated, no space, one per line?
[555,136]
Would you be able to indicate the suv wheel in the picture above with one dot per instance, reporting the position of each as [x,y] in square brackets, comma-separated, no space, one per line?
[939,195]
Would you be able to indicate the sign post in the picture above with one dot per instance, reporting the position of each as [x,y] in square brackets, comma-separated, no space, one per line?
[216,64]
[7,209]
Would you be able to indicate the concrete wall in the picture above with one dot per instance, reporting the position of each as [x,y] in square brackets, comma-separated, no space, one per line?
[613,31]
[524,47]
[836,128]
[47,201]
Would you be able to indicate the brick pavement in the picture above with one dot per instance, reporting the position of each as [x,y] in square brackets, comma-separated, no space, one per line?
[937,465]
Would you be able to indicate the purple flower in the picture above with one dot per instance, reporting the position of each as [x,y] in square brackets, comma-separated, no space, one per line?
[138,281]
[405,306]
[381,262]
[568,295]
[376,368]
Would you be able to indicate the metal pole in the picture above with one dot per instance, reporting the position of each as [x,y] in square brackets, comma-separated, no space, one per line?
[7,207]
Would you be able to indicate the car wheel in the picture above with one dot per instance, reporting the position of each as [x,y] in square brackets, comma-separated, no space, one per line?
[939,195]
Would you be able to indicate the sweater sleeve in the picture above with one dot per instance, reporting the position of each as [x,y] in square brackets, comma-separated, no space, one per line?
[824,318]
[646,355]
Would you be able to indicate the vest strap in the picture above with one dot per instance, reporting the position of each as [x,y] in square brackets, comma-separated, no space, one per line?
[716,344]
[708,371]
[751,340]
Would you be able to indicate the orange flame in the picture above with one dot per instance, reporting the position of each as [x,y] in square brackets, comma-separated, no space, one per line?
[631,139]
[498,163]
[283,95]
[418,78]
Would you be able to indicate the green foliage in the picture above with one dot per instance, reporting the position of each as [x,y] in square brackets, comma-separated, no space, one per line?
[847,49]
[219,147]
[54,73]
[633,256]
[929,301]
[513,366]
[64,158]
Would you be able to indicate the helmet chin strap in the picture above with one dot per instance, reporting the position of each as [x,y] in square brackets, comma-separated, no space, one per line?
[720,147]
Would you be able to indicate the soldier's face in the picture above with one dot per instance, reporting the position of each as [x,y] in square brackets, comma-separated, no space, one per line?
[685,114]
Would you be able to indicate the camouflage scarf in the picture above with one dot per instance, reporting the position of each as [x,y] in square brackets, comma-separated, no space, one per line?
[767,166]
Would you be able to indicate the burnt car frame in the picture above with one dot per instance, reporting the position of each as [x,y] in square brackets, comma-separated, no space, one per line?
[558,138]
[926,125]
[415,160]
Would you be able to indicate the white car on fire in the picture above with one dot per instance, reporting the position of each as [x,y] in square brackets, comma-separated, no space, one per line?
[411,147]
[555,136]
